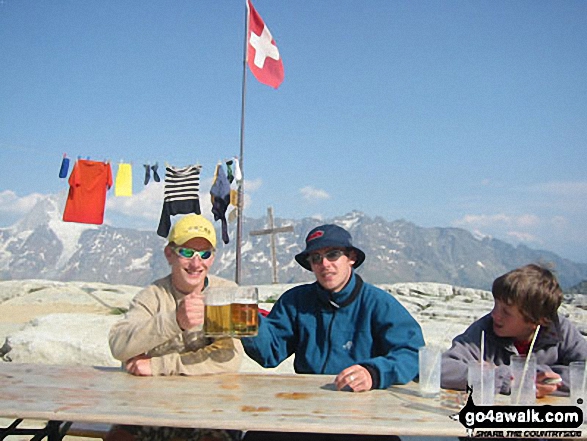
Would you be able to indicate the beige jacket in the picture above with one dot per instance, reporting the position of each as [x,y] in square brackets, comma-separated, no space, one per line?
[150,327]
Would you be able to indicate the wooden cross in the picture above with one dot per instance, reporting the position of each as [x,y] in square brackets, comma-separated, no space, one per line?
[272,231]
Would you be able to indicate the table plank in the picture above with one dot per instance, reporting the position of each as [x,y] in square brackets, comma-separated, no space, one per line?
[229,401]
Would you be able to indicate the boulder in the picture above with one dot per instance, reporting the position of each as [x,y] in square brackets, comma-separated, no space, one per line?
[77,339]
[76,330]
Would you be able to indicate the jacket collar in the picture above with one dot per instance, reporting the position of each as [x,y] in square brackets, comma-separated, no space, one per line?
[342,298]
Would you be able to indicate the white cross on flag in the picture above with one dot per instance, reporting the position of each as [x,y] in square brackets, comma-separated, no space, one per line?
[262,53]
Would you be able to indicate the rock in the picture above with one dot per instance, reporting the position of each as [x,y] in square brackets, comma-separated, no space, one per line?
[77,339]
[81,337]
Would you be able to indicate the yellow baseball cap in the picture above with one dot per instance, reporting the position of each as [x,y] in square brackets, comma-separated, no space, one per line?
[191,226]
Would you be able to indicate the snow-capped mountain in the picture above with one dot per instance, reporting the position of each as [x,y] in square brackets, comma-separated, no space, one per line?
[41,245]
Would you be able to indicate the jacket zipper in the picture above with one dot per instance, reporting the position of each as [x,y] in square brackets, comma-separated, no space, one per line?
[329,340]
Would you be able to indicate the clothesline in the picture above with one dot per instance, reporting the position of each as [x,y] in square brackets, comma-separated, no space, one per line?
[150,168]
[90,180]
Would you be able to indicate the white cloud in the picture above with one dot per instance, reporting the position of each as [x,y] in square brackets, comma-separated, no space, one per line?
[314,194]
[479,221]
[524,228]
[526,220]
[562,189]
[253,185]
[560,222]
[558,196]
[145,204]
[554,231]
[520,236]
[12,204]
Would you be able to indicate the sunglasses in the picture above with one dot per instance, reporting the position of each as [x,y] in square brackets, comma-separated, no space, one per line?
[331,256]
[188,253]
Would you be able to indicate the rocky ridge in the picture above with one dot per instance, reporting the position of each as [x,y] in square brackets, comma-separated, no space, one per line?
[68,322]
[397,251]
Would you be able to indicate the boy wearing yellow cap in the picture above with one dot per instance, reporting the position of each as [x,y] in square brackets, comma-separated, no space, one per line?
[161,334]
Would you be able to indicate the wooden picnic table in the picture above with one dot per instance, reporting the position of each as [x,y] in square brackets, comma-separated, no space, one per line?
[243,401]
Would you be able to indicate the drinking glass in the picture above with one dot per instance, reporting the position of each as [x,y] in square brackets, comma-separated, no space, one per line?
[578,385]
[523,390]
[217,311]
[481,378]
[244,311]
[429,378]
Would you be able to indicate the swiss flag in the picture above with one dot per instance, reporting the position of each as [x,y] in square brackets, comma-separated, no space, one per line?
[262,54]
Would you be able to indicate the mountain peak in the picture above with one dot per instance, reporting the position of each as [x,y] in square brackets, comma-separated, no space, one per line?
[397,251]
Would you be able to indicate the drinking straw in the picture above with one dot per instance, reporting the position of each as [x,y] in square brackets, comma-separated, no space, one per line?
[439,344]
[431,370]
[525,370]
[482,363]
[584,377]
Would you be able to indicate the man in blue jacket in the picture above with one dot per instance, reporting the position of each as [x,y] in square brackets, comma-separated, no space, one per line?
[339,324]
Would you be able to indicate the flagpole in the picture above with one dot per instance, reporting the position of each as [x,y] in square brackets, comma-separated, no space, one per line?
[241,187]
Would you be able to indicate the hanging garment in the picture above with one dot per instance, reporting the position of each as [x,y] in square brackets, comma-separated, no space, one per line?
[148,169]
[229,173]
[220,192]
[234,197]
[233,215]
[181,196]
[147,173]
[88,183]
[64,167]
[238,175]
[156,177]
[123,185]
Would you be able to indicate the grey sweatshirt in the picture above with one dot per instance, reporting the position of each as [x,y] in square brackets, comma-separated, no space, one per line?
[555,347]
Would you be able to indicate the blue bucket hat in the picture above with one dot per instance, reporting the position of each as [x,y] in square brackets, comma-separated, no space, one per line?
[326,236]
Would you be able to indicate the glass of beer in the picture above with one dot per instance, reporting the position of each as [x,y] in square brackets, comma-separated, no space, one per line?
[217,311]
[244,311]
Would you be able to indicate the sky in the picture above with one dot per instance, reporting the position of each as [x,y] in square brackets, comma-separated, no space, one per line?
[449,113]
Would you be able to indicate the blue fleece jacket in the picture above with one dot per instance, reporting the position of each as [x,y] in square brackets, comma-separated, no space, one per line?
[373,330]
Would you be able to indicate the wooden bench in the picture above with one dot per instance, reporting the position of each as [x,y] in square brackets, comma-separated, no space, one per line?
[87,430]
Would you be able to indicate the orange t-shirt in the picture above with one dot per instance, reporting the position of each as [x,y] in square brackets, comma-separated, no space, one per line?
[88,183]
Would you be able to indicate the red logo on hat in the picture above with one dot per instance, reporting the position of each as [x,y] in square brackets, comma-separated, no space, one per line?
[315,235]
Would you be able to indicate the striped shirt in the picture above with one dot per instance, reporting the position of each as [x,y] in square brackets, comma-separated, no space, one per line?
[181,195]
[182,183]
